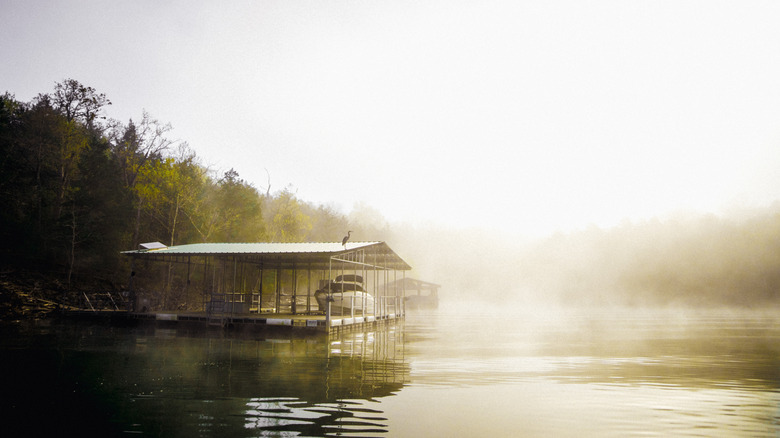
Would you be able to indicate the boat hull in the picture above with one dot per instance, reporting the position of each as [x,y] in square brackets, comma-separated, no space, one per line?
[346,302]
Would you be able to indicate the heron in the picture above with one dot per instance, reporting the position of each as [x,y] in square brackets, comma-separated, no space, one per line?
[346,238]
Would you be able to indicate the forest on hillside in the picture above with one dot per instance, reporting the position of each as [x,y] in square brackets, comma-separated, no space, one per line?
[702,261]
[78,187]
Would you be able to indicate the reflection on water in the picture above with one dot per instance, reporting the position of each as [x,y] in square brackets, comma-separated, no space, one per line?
[614,374]
[686,351]
[289,417]
[164,382]
[445,373]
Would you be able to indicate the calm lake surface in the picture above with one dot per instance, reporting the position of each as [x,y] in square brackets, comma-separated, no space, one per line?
[451,372]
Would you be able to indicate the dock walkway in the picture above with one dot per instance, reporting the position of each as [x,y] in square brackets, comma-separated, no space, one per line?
[308,322]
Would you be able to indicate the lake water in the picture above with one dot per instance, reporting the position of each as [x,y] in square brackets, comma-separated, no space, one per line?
[452,372]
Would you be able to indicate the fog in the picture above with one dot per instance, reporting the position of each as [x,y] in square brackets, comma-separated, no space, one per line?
[683,261]
[534,115]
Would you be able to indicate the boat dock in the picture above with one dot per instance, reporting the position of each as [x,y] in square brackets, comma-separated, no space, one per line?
[251,286]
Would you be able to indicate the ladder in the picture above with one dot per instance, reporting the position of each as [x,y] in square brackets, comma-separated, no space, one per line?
[216,310]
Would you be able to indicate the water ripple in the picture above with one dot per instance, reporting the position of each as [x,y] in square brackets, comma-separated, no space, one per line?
[295,417]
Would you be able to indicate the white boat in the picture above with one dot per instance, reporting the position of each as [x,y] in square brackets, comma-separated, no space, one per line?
[347,295]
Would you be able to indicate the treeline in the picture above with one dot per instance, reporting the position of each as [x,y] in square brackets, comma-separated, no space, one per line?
[686,261]
[77,188]
[693,261]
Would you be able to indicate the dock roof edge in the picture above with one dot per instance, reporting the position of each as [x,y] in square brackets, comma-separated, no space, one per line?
[270,249]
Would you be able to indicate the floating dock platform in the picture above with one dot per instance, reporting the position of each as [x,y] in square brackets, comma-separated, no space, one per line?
[314,323]
[301,323]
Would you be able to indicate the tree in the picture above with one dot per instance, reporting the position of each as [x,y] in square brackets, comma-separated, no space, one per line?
[34,185]
[77,102]
[171,190]
[16,178]
[136,144]
[232,212]
[138,147]
[101,210]
[79,106]
[328,225]
[289,223]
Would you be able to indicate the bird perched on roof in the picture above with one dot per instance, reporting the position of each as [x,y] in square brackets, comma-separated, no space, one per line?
[345,239]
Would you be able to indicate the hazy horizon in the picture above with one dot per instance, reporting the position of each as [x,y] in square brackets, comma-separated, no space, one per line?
[516,116]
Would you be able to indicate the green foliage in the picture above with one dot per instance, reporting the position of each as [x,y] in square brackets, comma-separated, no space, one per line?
[328,225]
[77,192]
[171,190]
[288,223]
[231,210]
[238,209]
[103,210]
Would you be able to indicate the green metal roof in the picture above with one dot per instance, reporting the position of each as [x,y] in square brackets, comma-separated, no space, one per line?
[276,253]
[256,248]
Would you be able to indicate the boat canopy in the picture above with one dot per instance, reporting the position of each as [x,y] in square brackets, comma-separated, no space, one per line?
[309,255]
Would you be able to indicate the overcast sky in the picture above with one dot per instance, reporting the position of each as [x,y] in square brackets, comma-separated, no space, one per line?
[524,115]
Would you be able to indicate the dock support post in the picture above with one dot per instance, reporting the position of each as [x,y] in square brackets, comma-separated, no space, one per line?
[327,296]
[308,288]
[294,300]
[278,281]
[132,300]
